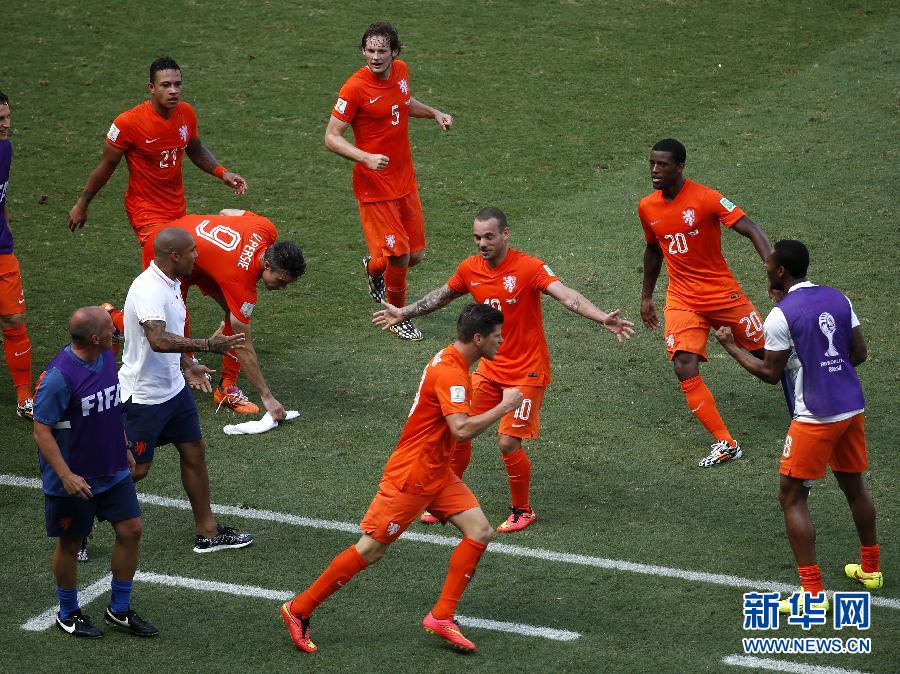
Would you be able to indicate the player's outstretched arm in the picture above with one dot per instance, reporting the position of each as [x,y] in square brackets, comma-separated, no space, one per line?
[422,111]
[746,227]
[335,141]
[250,366]
[465,427]
[577,303]
[653,259]
[73,484]
[99,177]
[433,301]
[168,342]
[204,160]
[769,368]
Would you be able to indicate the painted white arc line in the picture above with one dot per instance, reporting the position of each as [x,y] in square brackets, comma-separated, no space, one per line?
[98,588]
[752,662]
[496,548]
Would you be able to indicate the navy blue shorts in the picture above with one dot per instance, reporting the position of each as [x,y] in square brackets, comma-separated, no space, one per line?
[74,516]
[151,426]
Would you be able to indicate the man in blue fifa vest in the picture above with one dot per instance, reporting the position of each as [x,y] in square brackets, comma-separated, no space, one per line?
[813,343]
[80,434]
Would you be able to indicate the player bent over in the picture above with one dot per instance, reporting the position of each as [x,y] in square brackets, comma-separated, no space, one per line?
[80,434]
[418,475]
[814,341]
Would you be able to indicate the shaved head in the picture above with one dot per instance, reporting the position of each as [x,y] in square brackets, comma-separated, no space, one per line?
[85,323]
[171,240]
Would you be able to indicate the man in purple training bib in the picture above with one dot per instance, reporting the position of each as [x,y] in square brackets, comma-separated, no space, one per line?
[80,434]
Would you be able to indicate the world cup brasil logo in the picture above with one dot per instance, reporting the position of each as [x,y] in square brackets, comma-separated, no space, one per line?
[827,326]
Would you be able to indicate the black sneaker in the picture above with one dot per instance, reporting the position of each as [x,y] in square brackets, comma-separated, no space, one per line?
[82,551]
[376,283]
[227,537]
[78,625]
[406,330]
[130,622]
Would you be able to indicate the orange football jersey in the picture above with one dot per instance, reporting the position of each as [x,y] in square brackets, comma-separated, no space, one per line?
[378,112]
[689,233]
[228,256]
[420,464]
[515,288]
[154,149]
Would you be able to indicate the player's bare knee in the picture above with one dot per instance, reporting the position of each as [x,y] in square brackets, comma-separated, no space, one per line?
[11,321]
[399,260]
[509,444]
[483,534]
[130,531]
[687,365]
[140,471]
[416,257]
[69,545]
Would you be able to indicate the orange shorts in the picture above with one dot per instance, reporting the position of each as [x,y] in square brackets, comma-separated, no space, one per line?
[808,448]
[12,299]
[688,330]
[524,422]
[392,510]
[394,227]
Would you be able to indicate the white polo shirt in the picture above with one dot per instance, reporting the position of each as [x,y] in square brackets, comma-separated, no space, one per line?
[148,377]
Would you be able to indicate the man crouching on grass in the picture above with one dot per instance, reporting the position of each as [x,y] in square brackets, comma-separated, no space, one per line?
[80,433]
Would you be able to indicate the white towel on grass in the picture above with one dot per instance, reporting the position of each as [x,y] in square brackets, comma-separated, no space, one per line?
[267,423]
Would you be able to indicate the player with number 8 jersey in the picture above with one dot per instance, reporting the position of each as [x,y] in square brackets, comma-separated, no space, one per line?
[682,223]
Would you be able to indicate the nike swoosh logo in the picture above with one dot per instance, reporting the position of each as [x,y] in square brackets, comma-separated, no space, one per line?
[654,222]
[67,628]
[523,425]
[697,407]
[22,301]
[23,353]
[151,140]
[372,100]
[475,283]
[123,623]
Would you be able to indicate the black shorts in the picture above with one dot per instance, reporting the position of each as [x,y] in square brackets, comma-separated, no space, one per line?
[151,426]
[74,516]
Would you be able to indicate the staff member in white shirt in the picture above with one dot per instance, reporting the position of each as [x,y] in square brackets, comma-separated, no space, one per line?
[159,408]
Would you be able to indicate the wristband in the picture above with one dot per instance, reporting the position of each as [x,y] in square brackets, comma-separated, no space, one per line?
[220,171]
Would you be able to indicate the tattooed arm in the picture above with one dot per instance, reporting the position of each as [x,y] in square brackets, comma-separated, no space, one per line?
[168,342]
[577,303]
[433,301]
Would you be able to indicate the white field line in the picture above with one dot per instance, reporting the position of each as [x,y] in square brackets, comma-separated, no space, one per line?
[91,592]
[752,662]
[497,548]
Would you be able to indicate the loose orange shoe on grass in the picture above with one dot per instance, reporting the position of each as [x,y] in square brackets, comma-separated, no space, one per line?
[427,518]
[298,628]
[448,630]
[234,399]
[518,519]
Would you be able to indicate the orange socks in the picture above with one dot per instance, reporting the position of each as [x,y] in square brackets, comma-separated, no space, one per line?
[376,266]
[461,457]
[703,405]
[231,367]
[811,579]
[462,567]
[518,469]
[17,349]
[395,284]
[339,572]
[870,561]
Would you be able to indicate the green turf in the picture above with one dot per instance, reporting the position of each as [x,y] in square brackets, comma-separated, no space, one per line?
[789,109]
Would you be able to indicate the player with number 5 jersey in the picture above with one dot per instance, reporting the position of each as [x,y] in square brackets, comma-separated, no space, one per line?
[376,101]
[513,283]
[682,223]
[154,137]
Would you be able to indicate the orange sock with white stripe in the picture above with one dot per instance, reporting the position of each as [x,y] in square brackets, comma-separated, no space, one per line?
[870,561]
[518,470]
[17,349]
[395,284]
[339,572]
[811,578]
[462,567]
[701,402]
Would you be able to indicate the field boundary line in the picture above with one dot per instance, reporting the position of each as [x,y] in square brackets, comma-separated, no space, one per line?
[753,662]
[494,548]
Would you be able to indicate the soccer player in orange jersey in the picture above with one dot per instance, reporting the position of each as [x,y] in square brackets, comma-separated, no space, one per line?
[153,137]
[377,102]
[512,282]
[235,250]
[419,475]
[16,345]
[682,223]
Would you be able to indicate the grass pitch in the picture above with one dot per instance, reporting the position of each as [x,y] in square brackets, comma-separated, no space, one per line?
[790,110]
